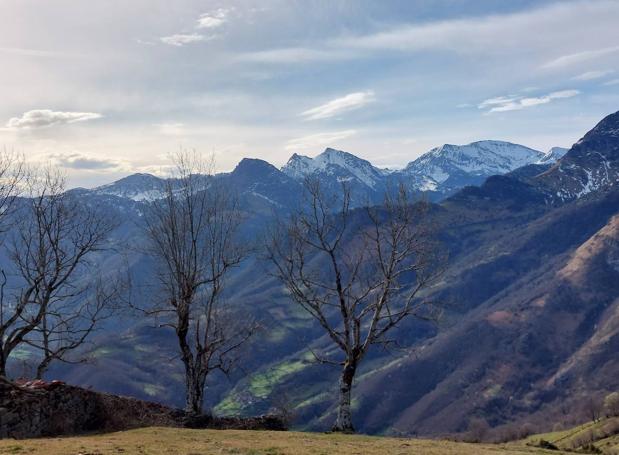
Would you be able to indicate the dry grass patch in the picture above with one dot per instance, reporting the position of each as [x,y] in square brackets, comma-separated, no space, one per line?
[172,441]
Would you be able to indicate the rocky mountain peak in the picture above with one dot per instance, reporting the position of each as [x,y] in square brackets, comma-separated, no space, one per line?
[553,155]
[591,164]
[336,164]
[255,168]
[138,187]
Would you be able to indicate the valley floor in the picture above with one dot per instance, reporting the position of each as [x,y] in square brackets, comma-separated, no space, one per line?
[159,441]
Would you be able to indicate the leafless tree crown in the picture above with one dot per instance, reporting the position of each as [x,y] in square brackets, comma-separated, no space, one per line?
[359,272]
[54,306]
[193,234]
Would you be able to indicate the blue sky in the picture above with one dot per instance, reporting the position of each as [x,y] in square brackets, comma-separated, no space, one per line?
[107,88]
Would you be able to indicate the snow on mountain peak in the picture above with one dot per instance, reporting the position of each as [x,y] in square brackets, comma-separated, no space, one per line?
[477,158]
[553,155]
[333,162]
[138,187]
[298,166]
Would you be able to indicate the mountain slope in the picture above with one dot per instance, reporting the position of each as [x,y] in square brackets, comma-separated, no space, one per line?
[537,329]
[509,357]
[530,328]
[261,185]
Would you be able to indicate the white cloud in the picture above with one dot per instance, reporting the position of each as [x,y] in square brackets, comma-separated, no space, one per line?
[580,57]
[334,107]
[498,101]
[611,82]
[86,162]
[314,141]
[516,103]
[41,118]
[590,75]
[214,19]
[182,39]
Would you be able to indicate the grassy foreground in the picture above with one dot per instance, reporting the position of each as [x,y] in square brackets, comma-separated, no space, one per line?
[171,441]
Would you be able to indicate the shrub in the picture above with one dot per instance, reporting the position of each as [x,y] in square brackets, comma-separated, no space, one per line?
[526,430]
[611,428]
[611,404]
[543,444]
[478,429]
[583,440]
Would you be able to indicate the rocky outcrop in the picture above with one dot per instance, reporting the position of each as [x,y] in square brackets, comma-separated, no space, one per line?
[53,408]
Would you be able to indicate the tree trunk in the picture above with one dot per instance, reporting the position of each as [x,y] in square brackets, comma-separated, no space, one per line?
[343,423]
[194,400]
[195,381]
[42,367]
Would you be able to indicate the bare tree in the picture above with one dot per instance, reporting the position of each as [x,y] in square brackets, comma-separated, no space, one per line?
[193,234]
[51,248]
[592,407]
[12,173]
[359,273]
[11,177]
[67,325]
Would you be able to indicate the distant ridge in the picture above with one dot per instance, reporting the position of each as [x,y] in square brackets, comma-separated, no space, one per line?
[439,173]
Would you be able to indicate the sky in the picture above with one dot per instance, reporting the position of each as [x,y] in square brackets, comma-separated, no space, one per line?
[107,88]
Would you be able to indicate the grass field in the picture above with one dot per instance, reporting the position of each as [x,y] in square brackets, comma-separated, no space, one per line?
[171,441]
[592,437]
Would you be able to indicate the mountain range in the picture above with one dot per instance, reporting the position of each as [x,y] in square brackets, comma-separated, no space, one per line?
[531,326]
[436,174]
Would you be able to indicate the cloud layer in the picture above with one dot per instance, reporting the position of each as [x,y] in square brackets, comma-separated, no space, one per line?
[337,106]
[516,103]
[182,39]
[591,75]
[81,161]
[42,118]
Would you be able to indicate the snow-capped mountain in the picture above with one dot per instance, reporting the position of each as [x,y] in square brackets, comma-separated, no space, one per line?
[333,168]
[439,173]
[137,187]
[553,155]
[447,168]
[335,164]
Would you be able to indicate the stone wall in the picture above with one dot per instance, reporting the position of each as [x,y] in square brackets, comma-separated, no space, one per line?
[52,409]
